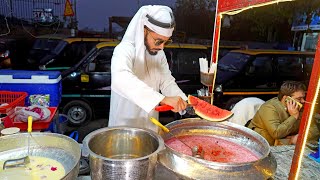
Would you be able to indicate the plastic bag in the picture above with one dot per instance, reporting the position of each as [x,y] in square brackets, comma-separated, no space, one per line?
[37,113]
[40,99]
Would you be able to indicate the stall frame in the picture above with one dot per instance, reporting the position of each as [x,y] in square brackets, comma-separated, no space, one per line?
[232,7]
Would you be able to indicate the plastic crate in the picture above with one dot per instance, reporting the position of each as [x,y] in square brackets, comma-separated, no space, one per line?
[13,99]
[36,125]
[34,83]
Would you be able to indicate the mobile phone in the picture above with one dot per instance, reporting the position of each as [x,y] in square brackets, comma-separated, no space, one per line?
[298,103]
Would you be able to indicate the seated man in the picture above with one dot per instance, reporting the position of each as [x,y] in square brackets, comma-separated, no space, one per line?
[279,117]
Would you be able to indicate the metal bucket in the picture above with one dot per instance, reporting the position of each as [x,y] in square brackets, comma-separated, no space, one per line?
[123,153]
[187,167]
[50,145]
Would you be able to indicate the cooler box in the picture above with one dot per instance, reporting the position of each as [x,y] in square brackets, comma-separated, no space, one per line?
[47,83]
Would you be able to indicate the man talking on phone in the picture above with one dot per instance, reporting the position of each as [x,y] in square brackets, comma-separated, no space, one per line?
[279,117]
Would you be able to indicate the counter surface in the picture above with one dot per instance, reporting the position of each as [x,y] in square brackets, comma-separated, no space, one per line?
[283,154]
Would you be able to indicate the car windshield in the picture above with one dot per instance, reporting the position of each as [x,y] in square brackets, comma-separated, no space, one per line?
[59,47]
[233,61]
[42,47]
[45,44]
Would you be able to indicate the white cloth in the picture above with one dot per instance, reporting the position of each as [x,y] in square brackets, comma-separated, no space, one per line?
[244,110]
[137,76]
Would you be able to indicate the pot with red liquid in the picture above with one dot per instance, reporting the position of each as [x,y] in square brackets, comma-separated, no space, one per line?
[231,151]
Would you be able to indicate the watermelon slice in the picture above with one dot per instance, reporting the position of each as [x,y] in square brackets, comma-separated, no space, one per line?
[207,111]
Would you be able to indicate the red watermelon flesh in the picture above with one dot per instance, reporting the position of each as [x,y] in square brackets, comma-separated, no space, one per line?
[208,111]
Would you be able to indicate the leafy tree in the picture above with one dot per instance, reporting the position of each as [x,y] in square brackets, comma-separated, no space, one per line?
[267,24]
[270,23]
[195,17]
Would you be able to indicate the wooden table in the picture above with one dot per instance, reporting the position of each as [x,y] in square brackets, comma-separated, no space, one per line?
[310,169]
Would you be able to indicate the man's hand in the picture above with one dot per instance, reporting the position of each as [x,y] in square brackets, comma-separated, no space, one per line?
[293,108]
[293,139]
[176,102]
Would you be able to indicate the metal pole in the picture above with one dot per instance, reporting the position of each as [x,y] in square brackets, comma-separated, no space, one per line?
[307,116]
[11,10]
[75,14]
[294,39]
[215,47]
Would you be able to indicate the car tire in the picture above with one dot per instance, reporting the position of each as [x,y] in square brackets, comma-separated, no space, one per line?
[78,112]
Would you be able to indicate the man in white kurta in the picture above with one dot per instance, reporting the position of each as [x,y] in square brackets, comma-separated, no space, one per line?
[141,78]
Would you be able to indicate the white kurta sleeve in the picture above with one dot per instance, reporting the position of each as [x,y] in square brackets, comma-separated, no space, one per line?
[168,85]
[126,84]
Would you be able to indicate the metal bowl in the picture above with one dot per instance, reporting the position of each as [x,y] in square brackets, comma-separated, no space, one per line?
[188,167]
[50,145]
[123,152]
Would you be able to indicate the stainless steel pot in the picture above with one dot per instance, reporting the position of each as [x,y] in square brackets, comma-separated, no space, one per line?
[123,153]
[187,167]
[50,145]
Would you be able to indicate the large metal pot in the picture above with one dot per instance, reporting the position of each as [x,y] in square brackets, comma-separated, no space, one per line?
[50,145]
[187,167]
[123,153]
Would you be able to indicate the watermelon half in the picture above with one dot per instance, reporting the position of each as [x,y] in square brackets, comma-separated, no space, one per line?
[207,111]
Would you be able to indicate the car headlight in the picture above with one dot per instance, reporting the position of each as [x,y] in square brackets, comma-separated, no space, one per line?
[74,74]
[218,88]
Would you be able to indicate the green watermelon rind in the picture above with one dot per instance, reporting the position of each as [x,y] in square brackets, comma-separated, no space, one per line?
[197,103]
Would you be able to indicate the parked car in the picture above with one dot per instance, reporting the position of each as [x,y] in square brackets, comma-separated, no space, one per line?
[5,61]
[223,50]
[258,73]
[60,50]
[183,60]
[86,86]
[42,46]
[13,52]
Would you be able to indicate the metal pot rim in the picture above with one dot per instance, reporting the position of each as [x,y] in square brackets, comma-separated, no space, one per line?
[37,134]
[91,135]
[225,123]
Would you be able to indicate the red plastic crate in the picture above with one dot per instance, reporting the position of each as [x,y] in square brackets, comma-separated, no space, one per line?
[13,99]
[36,125]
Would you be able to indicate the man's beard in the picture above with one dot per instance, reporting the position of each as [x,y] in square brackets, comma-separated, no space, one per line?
[153,53]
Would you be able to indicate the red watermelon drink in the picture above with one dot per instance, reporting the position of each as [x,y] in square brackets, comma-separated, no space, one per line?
[215,149]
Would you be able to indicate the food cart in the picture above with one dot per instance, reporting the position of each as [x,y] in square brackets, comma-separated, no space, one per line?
[232,7]
[177,166]
[187,165]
